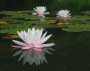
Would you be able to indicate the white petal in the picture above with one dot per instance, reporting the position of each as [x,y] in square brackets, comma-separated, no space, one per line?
[32,35]
[47,13]
[48,45]
[21,35]
[43,36]
[18,42]
[34,13]
[24,36]
[46,38]
[39,33]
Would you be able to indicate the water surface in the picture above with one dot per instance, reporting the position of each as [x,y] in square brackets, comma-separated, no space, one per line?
[72,53]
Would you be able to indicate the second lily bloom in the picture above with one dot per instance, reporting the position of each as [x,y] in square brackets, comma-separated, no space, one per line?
[63,14]
[40,11]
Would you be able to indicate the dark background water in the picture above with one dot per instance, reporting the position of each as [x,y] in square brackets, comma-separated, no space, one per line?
[72,5]
[72,53]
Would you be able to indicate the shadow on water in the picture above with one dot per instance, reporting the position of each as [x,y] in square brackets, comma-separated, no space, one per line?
[3,15]
[72,53]
[23,19]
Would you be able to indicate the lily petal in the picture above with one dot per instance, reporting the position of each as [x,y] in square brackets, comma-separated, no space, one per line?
[46,38]
[18,42]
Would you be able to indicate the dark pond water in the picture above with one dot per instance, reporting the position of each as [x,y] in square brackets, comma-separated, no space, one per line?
[72,53]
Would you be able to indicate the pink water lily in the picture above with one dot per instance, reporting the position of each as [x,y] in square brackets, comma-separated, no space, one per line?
[33,41]
[63,14]
[40,11]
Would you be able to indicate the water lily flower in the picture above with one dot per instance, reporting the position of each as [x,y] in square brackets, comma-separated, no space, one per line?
[40,11]
[63,14]
[33,46]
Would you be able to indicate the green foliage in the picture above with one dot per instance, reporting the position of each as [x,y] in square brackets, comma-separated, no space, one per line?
[54,5]
[74,5]
[21,20]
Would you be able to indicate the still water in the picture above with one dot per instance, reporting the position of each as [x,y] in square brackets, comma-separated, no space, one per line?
[72,53]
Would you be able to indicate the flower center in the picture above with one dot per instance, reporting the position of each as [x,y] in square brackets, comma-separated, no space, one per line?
[32,46]
[40,14]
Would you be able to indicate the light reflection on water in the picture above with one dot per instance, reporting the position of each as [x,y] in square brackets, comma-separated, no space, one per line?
[72,49]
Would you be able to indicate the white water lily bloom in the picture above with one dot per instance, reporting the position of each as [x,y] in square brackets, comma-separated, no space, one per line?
[33,46]
[40,11]
[63,14]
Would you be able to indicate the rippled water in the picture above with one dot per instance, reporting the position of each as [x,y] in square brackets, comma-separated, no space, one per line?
[72,53]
